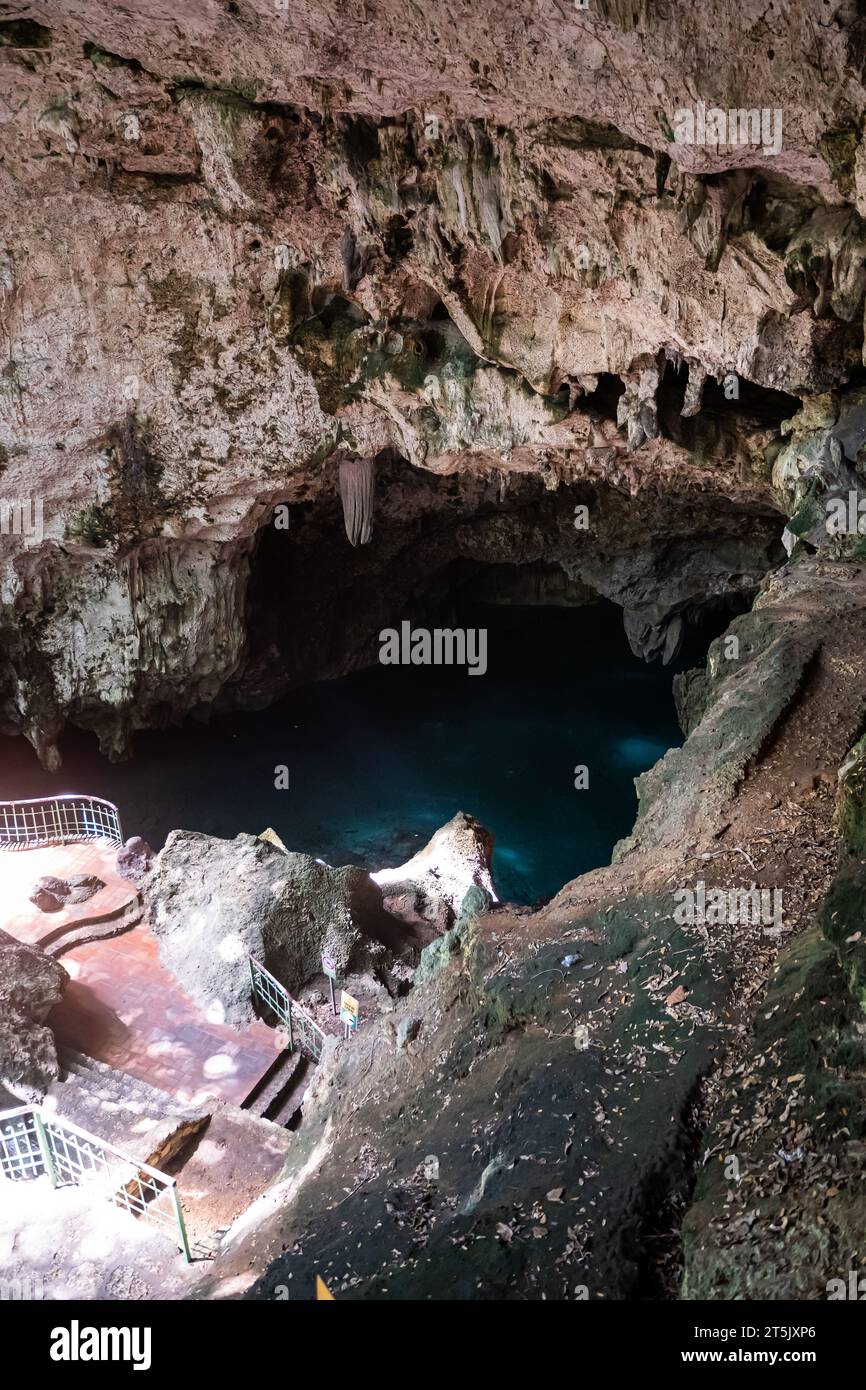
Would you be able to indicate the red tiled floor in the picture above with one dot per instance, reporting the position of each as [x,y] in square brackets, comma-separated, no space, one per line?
[122,1006]
[19,870]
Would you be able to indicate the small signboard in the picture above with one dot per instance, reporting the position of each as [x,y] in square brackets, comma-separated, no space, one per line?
[349,1009]
[329,965]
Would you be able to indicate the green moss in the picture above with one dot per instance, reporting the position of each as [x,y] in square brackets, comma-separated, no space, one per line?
[665,126]
[181,294]
[839,148]
[175,291]
[805,1076]
[136,506]
[622,933]
[843,922]
[807,516]
[436,956]
[94,526]
[851,802]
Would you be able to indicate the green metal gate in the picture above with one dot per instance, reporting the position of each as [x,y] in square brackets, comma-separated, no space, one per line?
[300,1028]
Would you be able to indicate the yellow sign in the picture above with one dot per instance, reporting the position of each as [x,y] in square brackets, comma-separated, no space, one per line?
[349,1009]
[323,1293]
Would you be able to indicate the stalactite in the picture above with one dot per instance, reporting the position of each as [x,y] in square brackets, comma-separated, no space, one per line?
[357,478]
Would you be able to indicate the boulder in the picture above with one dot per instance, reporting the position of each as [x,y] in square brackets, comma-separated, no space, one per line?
[81,887]
[51,894]
[432,884]
[211,902]
[49,884]
[45,901]
[407,1031]
[135,860]
[31,983]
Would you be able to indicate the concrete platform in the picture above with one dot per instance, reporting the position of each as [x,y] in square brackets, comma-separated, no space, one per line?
[123,1007]
[19,870]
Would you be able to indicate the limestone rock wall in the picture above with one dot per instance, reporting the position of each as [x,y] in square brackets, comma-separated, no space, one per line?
[240,241]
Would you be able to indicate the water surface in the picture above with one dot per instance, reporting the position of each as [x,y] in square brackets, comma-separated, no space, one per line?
[378,760]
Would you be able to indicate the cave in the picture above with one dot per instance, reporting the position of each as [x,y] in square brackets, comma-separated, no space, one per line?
[375,761]
[432,675]
[356,762]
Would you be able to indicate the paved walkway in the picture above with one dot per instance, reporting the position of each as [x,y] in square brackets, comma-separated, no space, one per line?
[122,1006]
[19,870]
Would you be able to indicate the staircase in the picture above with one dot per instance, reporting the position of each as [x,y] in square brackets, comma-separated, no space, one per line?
[134,1116]
[223,1157]
[278,1095]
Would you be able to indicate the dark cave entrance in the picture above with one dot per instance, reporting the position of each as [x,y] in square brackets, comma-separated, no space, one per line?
[381,758]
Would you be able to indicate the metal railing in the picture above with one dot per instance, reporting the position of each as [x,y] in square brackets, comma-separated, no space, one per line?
[297,1024]
[58,820]
[33,1144]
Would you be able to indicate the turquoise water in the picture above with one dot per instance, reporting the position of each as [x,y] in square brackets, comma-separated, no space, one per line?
[378,760]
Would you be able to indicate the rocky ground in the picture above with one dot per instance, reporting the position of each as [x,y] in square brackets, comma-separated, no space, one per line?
[31,983]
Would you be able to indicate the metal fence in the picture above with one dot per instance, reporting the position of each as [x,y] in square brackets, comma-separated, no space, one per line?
[58,820]
[300,1028]
[33,1145]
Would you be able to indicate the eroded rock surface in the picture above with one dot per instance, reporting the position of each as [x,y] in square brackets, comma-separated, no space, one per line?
[135,860]
[481,253]
[213,902]
[432,885]
[31,983]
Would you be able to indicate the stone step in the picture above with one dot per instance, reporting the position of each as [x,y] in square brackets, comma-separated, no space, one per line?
[94,927]
[267,1094]
[125,1112]
[285,1109]
[236,1158]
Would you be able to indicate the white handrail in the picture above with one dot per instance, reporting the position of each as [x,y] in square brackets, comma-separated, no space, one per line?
[58,820]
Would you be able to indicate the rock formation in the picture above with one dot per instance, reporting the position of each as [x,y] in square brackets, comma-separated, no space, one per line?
[212,903]
[135,860]
[31,983]
[431,886]
[481,260]
[357,478]
[52,894]
[582,289]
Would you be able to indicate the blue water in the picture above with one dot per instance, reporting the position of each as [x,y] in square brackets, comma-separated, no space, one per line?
[378,760]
